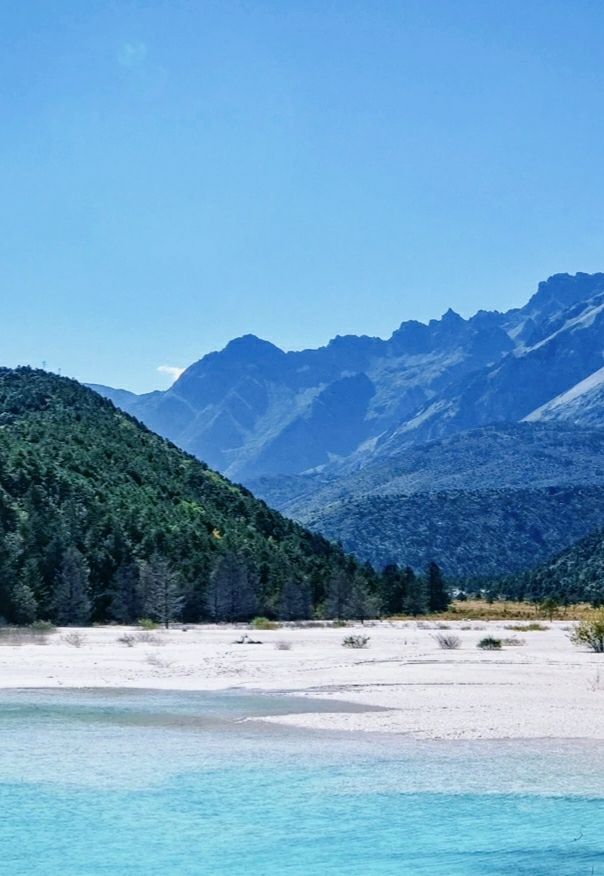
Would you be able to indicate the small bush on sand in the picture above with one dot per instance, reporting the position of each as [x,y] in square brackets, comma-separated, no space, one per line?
[157,662]
[591,633]
[76,640]
[263,623]
[145,623]
[447,642]
[489,643]
[527,628]
[128,640]
[514,642]
[42,626]
[148,638]
[283,646]
[355,641]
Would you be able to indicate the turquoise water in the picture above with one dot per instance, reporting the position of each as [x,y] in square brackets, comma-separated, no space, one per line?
[164,783]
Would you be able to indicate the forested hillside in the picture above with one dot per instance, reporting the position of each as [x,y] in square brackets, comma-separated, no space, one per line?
[101,519]
[470,533]
[575,575]
[483,503]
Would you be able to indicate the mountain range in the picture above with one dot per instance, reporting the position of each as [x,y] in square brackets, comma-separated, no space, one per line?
[403,448]
[253,409]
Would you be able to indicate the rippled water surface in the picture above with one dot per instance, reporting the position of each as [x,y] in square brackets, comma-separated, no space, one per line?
[134,782]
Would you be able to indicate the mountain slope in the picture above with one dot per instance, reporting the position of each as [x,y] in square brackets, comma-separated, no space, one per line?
[87,494]
[252,410]
[575,575]
[582,404]
[469,533]
[482,503]
[566,350]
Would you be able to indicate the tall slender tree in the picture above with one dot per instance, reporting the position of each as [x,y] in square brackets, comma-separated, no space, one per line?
[336,596]
[231,594]
[438,595]
[417,599]
[125,606]
[160,590]
[71,602]
[360,603]
[393,589]
[295,601]
[24,603]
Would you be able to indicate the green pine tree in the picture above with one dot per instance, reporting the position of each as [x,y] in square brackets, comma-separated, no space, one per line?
[393,589]
[161,593]
[438,595]
[231,594]
[417,599]
[71,603]
[24,604]
[360,603]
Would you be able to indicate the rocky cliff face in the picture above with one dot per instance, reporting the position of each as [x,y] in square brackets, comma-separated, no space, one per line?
[253,409]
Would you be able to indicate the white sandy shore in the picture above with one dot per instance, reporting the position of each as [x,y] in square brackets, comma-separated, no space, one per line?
[544,688]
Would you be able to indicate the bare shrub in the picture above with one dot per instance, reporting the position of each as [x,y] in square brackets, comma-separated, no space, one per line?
[355,641]
[448,642]
[283,646]
[148,638]
[157,662]
[514,642]
[128,640]
[76,640]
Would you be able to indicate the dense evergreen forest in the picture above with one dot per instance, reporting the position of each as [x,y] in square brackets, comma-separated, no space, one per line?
[102,520]
[575,575]
[493,501]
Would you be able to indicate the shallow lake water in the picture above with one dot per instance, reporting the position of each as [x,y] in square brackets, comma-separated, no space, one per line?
[141,782]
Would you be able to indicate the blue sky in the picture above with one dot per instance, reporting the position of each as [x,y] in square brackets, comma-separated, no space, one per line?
[175,174]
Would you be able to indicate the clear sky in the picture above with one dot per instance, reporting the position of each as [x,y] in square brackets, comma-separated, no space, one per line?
[175,174]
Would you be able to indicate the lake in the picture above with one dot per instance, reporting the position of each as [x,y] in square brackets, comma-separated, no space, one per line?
[141,782]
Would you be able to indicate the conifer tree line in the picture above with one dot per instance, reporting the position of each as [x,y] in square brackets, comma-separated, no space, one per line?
[152,589]
[101,520]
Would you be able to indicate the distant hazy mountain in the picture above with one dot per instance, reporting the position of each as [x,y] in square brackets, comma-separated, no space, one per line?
[252,409]
[491,501]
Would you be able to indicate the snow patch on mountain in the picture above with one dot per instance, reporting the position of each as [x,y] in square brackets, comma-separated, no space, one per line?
[571,401]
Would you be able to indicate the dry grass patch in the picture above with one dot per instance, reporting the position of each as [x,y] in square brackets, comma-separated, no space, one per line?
[501,610]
